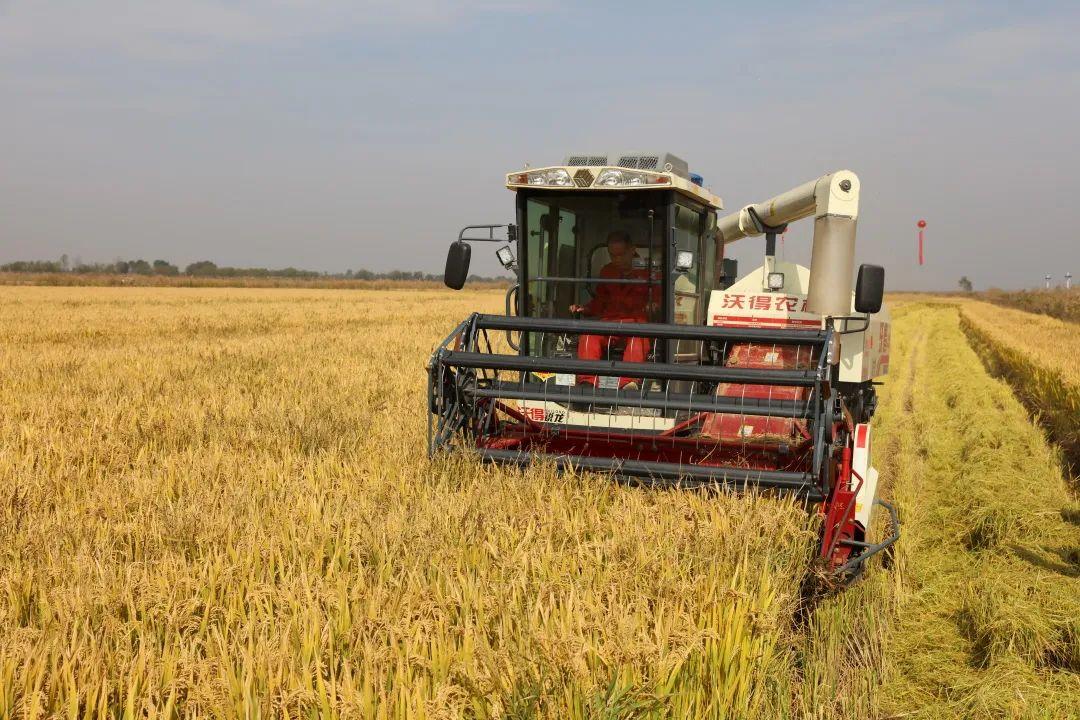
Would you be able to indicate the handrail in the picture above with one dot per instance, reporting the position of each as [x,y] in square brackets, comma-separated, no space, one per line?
[642,399]
[662,331]
[656,371]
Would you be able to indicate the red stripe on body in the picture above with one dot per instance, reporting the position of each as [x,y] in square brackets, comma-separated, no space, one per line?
[759,321]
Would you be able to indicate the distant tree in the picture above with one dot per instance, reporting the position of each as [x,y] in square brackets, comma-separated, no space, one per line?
[164,267]
[140,267]
[98,268]
[33,266]
[965,284]
[202,267]
[207,268]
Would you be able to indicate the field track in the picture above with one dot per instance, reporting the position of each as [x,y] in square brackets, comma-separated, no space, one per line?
[216,502]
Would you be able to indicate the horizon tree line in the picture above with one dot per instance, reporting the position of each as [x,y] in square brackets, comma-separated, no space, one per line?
[208,268]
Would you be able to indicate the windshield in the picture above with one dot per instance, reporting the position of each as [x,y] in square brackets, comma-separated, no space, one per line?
[567,246]
[590,255]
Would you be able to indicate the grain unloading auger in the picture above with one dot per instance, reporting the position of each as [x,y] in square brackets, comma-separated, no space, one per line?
[629,347]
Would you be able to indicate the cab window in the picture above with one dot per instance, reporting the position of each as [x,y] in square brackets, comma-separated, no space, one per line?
[566,234]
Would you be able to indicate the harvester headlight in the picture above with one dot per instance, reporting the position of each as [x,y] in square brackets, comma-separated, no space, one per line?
[776,281]
[551,178]
[613,177]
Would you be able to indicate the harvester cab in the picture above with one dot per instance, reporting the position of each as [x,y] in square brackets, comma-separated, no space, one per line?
[629,346]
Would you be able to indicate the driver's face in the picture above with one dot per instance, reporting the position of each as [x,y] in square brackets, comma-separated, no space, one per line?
[618,250]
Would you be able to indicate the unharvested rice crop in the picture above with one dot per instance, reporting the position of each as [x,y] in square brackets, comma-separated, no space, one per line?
[1040,357]
[216,502]
[1055,302]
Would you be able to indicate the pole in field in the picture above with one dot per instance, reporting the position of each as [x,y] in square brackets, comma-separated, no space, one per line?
[1068,281]
[922,227]
[1047,278]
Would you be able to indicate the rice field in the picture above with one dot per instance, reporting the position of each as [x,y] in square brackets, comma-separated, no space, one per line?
[987,604]
[1040,357]
[216,502]
[1060,303]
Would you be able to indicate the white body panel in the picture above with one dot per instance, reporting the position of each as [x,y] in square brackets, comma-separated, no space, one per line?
[749,302]
[864,355]
[640,419]
[860,464]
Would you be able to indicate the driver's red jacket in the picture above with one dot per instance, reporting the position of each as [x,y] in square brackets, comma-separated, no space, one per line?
[617,301]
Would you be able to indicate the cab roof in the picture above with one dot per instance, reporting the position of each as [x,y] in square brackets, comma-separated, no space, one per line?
[616,172]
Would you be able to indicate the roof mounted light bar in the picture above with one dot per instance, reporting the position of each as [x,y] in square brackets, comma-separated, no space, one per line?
[607,177]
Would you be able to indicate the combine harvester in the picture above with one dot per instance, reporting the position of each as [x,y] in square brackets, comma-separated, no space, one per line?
[629,347]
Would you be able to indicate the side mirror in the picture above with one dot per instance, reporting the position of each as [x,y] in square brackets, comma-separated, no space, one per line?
[457,265]
[869,288]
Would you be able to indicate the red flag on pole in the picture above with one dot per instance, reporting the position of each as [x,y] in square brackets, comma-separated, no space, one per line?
[922,226]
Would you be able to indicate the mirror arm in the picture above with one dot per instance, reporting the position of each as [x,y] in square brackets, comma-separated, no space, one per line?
[511,233]
[848,318]
[457,259]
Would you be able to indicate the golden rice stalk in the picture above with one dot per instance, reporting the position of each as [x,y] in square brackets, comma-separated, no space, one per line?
[1040,358]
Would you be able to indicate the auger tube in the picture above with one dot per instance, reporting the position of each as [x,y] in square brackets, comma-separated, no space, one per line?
[833,201]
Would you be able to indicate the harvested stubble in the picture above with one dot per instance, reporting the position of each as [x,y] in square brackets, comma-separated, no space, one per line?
[218,503]
[986,597]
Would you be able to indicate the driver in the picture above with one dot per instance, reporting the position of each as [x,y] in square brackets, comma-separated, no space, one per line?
[618,303]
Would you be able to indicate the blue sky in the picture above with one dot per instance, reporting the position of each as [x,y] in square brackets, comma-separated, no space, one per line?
[330,134]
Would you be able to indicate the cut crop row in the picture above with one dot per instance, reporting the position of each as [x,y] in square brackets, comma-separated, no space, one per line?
[984,577]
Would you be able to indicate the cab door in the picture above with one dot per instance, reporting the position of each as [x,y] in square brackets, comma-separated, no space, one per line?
[689,225]
[551,285]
